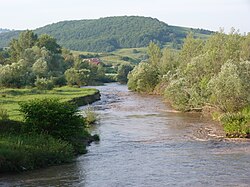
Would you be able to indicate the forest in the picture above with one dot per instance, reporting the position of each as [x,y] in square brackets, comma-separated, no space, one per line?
[111,33]
[208,75]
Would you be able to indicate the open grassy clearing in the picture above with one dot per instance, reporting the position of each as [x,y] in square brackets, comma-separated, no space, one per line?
[9,97]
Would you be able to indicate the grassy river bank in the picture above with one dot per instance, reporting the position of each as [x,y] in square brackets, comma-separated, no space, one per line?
[24,149]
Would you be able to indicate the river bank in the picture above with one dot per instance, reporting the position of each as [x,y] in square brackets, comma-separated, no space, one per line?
[145,143]
[22,150]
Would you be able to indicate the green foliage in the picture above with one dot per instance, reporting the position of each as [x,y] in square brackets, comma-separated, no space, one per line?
[30,57]
[192,47]
[77,77]
[154,53]
[44,84]
[227,89]
[89,115]
[122,73]
[15,74]
[25,152]
[49,43]
[40,68]
[111,33]
[3,114]
[245,48]
[52,117]
[143,78]
[8,126]
[168,63]
[237,124]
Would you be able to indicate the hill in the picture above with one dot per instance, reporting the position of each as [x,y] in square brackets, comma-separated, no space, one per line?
[111,33]
[4,30]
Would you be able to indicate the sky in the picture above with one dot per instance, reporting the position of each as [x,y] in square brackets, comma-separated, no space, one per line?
[206,14]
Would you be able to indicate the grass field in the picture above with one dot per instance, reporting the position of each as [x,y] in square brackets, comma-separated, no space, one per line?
[133,55]
[9,98]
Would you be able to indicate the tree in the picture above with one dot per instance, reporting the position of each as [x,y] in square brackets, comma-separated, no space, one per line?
[122,73]
[77,77]
[40,68]
[154,53]
[168,63]
[143,78]
[191,47]
[245,48]
[227,88]
[49,43]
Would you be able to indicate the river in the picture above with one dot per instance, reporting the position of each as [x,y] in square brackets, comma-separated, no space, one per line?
[144,143]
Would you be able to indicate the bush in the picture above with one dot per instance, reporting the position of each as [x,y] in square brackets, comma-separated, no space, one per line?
[227,89]
[49,116]
[237,124]
[143,78]
[3,114]
[122,73]
[90,115]
[44,84]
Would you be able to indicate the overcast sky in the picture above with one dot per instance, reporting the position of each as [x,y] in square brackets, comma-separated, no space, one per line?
[207,14]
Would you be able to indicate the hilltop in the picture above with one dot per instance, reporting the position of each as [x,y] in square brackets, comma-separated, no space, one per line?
[112,33]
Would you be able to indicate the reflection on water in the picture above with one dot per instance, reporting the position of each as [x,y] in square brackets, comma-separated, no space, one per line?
[146,143]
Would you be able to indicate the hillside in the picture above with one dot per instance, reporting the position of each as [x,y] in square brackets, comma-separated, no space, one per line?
[4,30]
[111,33]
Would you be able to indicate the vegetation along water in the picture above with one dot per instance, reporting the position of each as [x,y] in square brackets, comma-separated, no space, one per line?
[199,74]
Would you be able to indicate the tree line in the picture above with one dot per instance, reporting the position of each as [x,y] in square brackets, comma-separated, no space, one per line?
[32,60]
[213,73]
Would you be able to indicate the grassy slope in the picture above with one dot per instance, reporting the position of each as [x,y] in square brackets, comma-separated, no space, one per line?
[115,57]
[9,98]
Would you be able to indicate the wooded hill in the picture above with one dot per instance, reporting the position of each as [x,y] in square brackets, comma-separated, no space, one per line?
[4,30]
[111,33]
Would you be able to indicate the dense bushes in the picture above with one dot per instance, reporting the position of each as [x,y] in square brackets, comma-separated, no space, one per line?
[143,78]
[213,72]
[122,73]
[50,116]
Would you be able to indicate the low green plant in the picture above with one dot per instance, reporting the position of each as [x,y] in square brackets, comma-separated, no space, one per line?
[3,114]
[89,115]
[237,124]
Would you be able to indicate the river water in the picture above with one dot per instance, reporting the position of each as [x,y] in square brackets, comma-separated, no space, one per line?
[144,143]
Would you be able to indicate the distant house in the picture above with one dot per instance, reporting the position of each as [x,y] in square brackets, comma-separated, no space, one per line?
[95,61]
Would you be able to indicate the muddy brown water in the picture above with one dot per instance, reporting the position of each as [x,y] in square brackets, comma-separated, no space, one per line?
[144,142]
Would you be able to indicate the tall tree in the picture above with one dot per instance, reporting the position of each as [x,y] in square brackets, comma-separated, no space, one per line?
[154,53]
[49,43]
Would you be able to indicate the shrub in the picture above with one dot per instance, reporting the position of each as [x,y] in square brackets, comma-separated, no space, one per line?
[227,89]
[58,119]
[122,73]
[143,78]
[237,123]
[44,84]
[3,114]
[90,115]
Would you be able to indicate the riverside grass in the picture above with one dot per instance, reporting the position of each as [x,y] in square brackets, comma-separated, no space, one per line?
[9,97]
[24,151]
